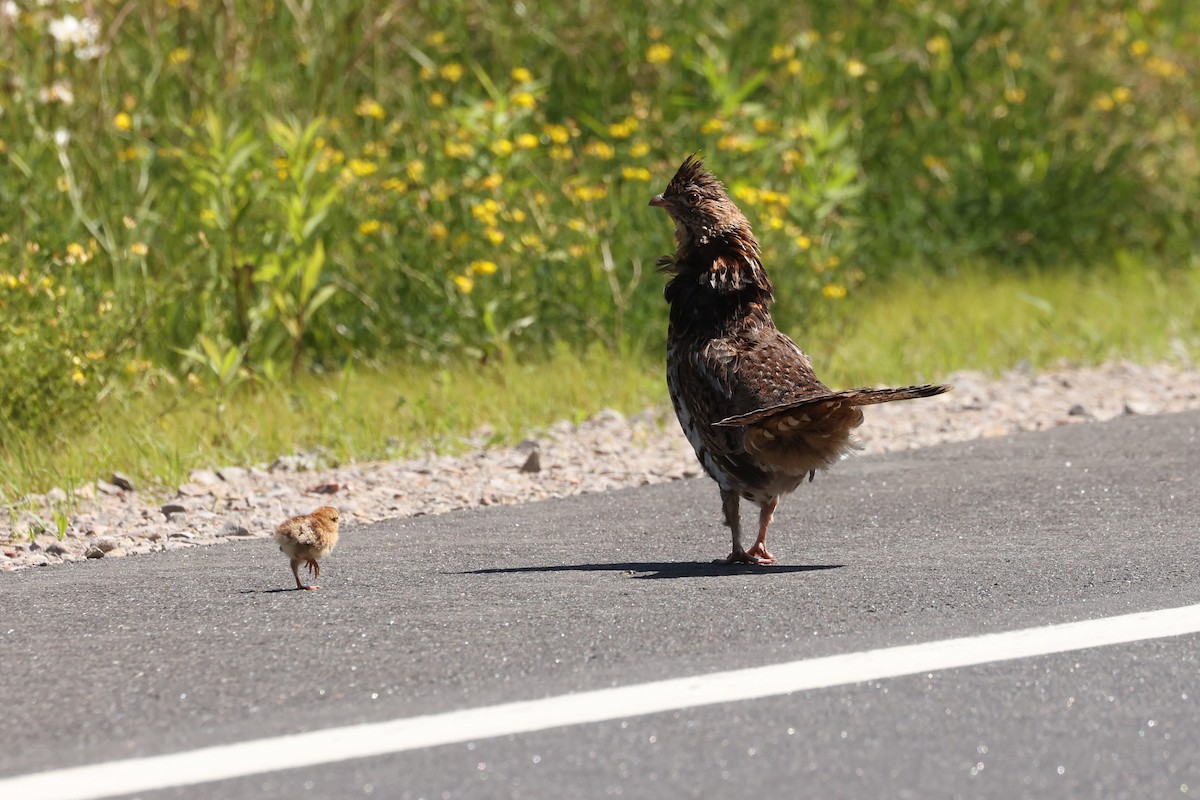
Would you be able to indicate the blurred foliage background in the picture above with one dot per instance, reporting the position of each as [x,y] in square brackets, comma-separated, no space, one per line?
[223,195]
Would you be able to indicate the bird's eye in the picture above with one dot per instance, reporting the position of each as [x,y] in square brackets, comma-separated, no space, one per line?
[693,198]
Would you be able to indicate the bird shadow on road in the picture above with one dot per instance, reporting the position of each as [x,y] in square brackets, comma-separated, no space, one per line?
[663,569]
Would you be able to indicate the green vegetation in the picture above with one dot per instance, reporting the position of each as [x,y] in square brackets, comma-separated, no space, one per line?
[227,233]
[909,332]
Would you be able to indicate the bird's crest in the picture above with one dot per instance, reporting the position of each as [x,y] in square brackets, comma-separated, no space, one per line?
[692,176]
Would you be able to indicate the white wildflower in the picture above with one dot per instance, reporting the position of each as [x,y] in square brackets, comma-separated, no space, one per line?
[75,32]
[57,93]
[62,137]
[9,10]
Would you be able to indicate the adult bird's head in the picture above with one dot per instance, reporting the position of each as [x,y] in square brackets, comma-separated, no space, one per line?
[700,207]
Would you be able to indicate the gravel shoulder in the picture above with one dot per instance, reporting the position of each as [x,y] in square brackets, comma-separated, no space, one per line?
[111,518]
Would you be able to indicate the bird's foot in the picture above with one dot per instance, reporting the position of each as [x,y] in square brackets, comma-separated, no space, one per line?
[310,588]
[755,555]
[314,568]
[758,551]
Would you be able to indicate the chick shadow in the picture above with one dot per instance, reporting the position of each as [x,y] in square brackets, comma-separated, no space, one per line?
[659,570]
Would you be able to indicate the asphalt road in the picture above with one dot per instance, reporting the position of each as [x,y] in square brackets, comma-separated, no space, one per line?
[106,660]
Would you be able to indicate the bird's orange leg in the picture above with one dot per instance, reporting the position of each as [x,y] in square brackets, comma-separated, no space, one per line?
[758,551]
[296,573]
[314,569]
[729,504]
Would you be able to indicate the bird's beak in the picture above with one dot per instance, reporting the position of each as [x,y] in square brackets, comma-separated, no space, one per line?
[657,201]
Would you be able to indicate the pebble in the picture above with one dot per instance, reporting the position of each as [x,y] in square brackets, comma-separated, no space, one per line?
[608,451]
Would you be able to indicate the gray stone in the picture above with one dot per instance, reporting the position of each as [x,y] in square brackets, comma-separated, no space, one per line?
[232,528]
[233,474]
[533,463]
[110,489]
[122,480]
[204,477]
[57,495]
[173,508]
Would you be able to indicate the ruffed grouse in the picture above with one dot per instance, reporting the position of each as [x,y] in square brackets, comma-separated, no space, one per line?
[306,538]
[745,394]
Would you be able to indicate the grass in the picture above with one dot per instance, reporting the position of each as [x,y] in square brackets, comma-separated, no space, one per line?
[910,331]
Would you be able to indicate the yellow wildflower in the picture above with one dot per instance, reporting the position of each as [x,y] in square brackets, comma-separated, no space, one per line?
[803,242]
[733,141]
[438,232]
[362,168]
[599,149]
[486,211]
[523,100]
[938,44]
[369,107]
[855,68]
[1013,60]
[779,52]
[452,72]
[395,185]
[559,134]
[762,125]
[464,283]
[78,377]
[1138,48]
[458,150]
[658,53]
[517,215]
[436,38]
[834,291]
[521,75]
[527,141]
[589,193]
[178,55]
[639,149]
[635,174]
[494,236]
[492,181]
[483,267]
[1121,95]
[560,153]
[502,147]
[123,121]
[416,170]
[712,125]
[1102,102]
[1015,95]
[794,67]
[623,129]
[747,194]
[369,227]
[139,248]
[437,99]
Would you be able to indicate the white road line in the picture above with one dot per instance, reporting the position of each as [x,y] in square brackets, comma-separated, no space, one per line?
[375,739]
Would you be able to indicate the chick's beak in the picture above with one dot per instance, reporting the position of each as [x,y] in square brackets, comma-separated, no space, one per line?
[657,201]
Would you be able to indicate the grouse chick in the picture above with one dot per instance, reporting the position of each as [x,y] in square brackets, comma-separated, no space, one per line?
[306,538]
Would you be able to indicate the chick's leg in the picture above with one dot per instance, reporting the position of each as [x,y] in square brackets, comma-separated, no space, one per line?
[296,574]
